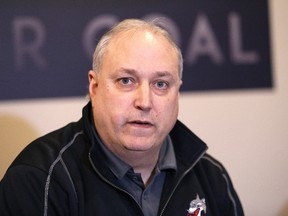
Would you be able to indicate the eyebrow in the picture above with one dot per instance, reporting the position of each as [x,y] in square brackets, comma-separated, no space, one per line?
[135,72]
[127,71]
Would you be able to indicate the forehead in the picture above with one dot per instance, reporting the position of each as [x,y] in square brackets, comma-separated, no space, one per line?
[142,44]
[139,36]
[131,50]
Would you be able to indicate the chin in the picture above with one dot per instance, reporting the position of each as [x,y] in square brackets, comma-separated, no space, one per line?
[139,147]
[136,143]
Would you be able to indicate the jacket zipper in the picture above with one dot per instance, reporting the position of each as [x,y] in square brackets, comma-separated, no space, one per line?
[113,185]
[180,179]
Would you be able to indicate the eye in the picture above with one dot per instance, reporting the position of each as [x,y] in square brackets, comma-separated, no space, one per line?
[125,81]
[161,85]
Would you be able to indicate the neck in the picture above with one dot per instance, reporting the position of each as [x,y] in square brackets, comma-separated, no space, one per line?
[142,162]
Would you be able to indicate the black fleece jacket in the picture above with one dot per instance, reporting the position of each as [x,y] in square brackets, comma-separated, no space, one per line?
[64,173]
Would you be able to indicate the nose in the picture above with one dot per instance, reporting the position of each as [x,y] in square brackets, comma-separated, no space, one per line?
[143,100]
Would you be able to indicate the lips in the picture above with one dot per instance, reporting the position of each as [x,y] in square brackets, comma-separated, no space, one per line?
[141,123]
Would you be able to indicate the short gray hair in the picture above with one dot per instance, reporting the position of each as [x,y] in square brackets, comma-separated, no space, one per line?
[127,25]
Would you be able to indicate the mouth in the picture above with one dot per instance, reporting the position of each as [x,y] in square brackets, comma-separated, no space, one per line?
[141,123]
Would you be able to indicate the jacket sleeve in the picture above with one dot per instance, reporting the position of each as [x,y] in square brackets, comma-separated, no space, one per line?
[225,196]
[233,207]
[22,193]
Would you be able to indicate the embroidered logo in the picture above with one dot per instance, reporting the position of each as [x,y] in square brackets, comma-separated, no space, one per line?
[196,207]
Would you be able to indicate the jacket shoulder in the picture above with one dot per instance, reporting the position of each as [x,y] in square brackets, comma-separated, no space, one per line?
[41,152]
[212,169]
[209,161]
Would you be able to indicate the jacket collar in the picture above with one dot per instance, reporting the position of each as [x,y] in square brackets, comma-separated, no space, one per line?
[188,147]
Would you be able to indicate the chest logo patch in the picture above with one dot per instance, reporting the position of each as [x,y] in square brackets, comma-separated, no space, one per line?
[197,206]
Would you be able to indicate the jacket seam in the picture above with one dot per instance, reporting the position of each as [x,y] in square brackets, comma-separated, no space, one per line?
[69,176]
[48,179]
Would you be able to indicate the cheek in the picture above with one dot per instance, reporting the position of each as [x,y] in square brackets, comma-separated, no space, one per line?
[116,108]
[168,108]
[172,102]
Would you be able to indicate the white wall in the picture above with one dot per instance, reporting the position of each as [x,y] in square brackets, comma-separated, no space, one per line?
[246,130]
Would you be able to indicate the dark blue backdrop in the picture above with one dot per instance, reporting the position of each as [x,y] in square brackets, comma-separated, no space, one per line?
[46,49]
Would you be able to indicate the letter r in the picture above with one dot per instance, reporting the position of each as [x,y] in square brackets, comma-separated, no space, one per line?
[31,48]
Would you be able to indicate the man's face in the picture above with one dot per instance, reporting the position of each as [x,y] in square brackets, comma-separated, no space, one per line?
[135,95]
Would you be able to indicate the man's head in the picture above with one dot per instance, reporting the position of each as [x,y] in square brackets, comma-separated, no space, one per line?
[134,87]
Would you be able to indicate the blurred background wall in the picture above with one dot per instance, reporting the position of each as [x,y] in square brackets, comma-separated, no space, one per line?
[245,129]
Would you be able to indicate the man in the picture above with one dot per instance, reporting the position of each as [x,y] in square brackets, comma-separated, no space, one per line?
[128,155]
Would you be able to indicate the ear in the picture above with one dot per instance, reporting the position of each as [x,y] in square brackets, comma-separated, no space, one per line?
[93,82]
[181,82]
